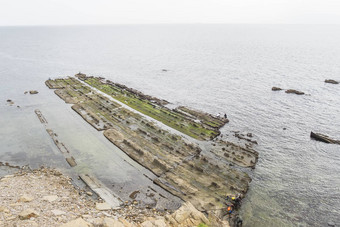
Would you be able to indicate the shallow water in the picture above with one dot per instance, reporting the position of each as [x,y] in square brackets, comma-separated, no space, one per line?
[216,68]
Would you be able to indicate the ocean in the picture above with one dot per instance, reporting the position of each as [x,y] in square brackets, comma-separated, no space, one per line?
[215,68]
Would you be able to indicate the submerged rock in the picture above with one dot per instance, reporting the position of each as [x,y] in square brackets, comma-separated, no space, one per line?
[330,81]
[292,91]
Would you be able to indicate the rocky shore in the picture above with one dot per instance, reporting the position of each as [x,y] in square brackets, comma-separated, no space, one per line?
[46,197]
[203,170]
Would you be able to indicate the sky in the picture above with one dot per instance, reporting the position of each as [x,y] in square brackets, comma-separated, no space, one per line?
[74,12]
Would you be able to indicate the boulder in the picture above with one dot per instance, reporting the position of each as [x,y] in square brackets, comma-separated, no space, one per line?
[33,92]
[27,214]
[58,212]
[147,224]
[25,198]
[125,222]
[50,198]
[330,81]
[332,224]
[292,91]
[103,206]
[323,138]
[160,223]
[276,89]
[187,215]
[109,222]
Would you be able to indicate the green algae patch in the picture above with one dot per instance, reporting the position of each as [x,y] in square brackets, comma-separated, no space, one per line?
[199,125]
[202,225]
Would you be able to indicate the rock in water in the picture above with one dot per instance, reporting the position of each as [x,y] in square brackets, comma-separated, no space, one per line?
[276,89]
[330,81]
[33,92]
[332,224]
[323,138]
[292,91]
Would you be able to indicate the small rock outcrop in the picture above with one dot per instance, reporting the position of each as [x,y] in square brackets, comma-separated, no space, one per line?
[10,102]
[186,215]
[292,91]
[276,89]
[33,92]
[330,81]
[323,138]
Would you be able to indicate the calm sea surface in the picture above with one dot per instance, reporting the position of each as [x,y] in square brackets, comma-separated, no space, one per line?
[215,68]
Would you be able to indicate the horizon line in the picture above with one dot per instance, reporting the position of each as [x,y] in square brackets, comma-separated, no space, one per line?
[196,23]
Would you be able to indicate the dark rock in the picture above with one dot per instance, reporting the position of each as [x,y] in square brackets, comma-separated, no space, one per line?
[330,81]
[332,224]
[276,89]
[134,194]
[33,92]
[292,91]
[323,138]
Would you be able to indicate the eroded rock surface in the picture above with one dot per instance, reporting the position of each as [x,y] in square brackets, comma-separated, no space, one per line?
[199,173]
[74,208]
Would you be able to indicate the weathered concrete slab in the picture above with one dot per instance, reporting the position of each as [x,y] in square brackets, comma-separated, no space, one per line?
[103,192]
[71,161]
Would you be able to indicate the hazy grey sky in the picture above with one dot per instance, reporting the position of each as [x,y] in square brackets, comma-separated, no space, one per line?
[61,12]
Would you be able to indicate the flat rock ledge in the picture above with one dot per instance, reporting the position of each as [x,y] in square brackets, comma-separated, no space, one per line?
[45,197]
